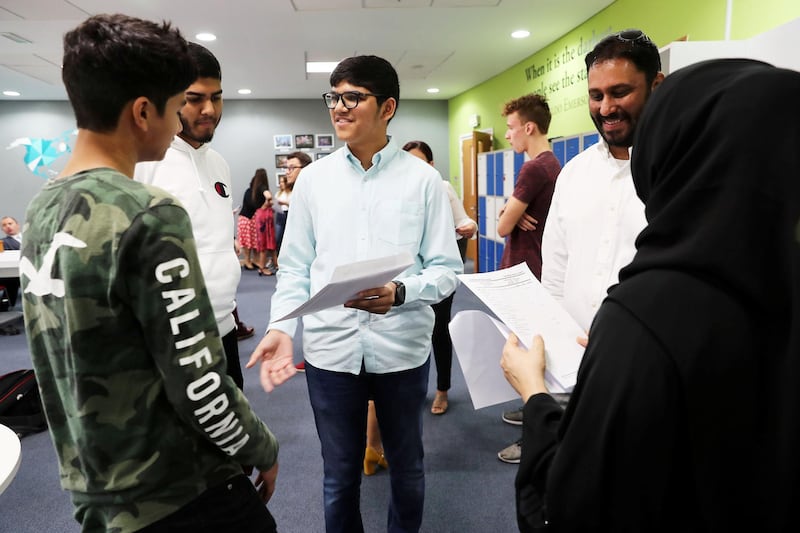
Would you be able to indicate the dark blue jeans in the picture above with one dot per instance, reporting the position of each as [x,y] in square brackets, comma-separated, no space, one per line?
[339,401]
[280,227]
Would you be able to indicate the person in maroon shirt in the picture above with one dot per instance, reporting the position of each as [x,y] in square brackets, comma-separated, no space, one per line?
[523,217]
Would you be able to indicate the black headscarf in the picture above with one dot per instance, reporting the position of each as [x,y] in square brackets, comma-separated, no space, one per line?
[717,164]
[716,161]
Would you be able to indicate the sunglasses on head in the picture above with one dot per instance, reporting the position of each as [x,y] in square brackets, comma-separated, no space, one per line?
[633,36]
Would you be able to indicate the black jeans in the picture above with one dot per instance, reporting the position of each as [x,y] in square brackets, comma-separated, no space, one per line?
[230,343]
[442,343]
[233,506]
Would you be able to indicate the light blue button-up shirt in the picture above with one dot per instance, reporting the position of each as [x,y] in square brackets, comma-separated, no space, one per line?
[341,213]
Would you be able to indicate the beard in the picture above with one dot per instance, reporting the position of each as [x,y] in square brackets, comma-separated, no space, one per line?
[187,132]
[617,138]
[623,138]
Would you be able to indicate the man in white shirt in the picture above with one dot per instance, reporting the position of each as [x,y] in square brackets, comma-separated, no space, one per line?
[200,178]
[366,200]
[595,214]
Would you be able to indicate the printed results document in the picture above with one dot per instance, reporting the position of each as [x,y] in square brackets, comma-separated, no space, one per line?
[350,279]
[525,308]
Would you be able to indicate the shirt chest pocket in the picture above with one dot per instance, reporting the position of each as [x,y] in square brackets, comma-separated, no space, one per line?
[399,226]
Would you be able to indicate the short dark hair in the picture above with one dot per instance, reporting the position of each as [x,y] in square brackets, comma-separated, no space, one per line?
[422,146]
[633,45]
[110,60]
[303,157]
[206,63]
[530,108]
[371,72]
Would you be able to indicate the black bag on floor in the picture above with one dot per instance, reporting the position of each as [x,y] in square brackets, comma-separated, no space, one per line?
[5,303]
[20,403]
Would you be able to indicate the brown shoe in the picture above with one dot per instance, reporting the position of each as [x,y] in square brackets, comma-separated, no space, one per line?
[244,332]
[372,460]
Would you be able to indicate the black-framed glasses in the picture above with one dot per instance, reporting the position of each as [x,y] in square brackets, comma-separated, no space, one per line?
[633,36]
[291,168]
[350,99]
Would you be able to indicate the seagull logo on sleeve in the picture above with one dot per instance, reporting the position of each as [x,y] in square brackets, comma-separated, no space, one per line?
[39,281]
[221,189]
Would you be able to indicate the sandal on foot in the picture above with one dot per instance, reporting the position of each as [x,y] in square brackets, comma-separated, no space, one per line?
[439,406]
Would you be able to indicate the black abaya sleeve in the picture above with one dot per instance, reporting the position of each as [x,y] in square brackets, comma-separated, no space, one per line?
[541,418]
[596,466]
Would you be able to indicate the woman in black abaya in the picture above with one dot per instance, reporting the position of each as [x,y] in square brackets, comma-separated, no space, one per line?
[686,413]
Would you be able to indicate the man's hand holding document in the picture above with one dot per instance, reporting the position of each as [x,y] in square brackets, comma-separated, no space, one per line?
[350,279]
[525,308]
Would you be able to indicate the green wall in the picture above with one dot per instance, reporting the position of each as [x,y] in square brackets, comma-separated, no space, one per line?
[558,70]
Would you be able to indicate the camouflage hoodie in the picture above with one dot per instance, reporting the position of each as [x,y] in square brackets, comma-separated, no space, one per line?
[127,353]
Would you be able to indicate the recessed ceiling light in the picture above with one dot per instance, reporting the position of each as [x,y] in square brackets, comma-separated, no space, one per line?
[321,66]
[206,37]
[11,93]
[520,34]
[433,90]
[244,91]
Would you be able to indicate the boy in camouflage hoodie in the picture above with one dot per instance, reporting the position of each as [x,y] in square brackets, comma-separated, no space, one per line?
[149,430]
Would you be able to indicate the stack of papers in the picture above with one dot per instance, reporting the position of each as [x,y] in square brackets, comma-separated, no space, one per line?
[524,307]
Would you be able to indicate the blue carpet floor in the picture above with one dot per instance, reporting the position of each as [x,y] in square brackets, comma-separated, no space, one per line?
[467,488]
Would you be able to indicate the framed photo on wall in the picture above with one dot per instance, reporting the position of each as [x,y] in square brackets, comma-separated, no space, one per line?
[304,140]
[320,155]
[283,141]
[325,141]
[281,160]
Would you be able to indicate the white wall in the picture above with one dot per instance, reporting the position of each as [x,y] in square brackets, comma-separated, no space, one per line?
[777,47]
[244,138]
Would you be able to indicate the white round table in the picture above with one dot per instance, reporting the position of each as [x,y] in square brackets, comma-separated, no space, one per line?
[10,456]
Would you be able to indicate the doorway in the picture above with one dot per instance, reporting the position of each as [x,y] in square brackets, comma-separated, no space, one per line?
[471,145]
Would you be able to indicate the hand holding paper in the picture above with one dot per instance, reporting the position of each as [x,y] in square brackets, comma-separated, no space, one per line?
[349,280]
[377,300]
[524,369]
[527,309]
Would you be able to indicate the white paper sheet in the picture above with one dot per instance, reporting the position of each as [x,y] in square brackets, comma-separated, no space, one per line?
[517,298]
[478,341]
[350,279]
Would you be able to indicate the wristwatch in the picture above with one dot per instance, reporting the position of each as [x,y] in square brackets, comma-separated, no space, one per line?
[399,293]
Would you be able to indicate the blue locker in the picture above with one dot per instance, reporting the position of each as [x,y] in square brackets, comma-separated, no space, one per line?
[590,139]
[573,147]
[481,215]
[498,253]
[519,160]
[490,174]
[499,172]
[559,150]
[482,255]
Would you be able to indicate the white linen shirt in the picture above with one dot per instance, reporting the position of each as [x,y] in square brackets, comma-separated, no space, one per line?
[594,219]
[340,214]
